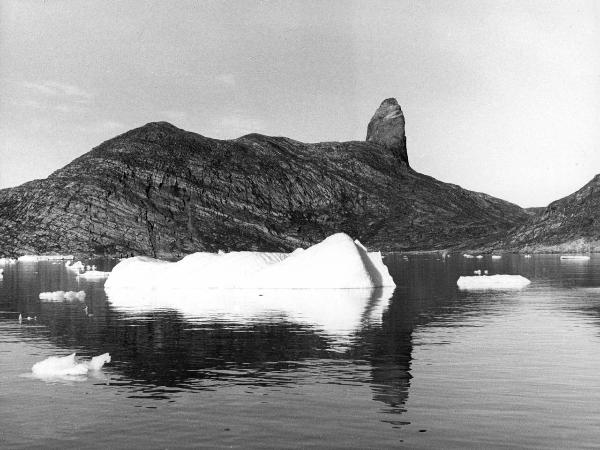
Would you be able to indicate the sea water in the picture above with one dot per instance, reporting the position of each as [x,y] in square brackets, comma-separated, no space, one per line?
[423,366]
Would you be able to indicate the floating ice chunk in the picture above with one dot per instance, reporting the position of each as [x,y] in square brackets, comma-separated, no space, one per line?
[526,256]
[97,362]
[477,272]
[57,366]
[466,255]
[479,257]
[575,258]
[77,266]
[4,261]
[492,282]
[28,258]
[336,262]
[90,274]
[496,256]
[62,295]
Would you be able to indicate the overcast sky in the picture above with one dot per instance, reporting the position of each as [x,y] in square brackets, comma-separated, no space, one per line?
[501,97]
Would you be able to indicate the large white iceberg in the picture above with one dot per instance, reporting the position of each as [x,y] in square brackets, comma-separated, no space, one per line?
[336,262]
[492,282]
[61,366]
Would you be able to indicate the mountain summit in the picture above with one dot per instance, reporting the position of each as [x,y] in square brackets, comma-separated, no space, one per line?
[162,191]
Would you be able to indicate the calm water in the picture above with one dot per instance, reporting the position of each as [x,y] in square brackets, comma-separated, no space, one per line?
[424,366]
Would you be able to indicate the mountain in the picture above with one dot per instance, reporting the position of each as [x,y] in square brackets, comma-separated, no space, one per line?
[163,191]
[571,224]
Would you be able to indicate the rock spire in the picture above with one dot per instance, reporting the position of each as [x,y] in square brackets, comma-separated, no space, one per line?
[387,128]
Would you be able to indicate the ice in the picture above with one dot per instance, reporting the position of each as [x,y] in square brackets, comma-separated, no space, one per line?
[492,282]
[4,261]
[91,274]
[77,266]
[336,262]
[57,366]
[466,255]
[58,296]
[575,257]
[28,258]
[496,256]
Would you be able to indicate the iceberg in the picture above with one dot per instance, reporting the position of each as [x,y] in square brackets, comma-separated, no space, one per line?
[57,366]
[336,262]
[58,296]
[492,282]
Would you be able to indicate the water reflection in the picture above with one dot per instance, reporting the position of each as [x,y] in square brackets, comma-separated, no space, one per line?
[166,346]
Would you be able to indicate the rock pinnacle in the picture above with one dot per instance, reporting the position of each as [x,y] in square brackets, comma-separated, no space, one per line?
[387,128]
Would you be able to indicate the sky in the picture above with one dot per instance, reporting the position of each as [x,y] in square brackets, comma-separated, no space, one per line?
[501,97]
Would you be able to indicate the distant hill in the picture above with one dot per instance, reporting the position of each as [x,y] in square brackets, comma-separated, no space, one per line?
[161,191]
[571,224]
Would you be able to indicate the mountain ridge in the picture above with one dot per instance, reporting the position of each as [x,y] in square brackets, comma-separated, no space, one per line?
[163,191]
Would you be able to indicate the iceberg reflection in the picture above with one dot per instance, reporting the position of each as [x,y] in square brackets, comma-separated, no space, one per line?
[338,312]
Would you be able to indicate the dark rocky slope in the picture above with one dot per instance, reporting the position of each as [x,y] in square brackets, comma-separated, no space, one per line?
[162,191]
[571,224]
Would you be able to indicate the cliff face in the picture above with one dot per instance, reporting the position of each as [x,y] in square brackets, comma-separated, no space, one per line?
[162,191]
[571,224]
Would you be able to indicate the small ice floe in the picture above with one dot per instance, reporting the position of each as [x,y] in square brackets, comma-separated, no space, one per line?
[492,282]
[58,296]
[5,261]
[64,366]
[466,255]
[93,274]
[477,272]
[527,256]
[28,258]
[479,257]
[496,256]
[574,258]
[77,266]
[485,272]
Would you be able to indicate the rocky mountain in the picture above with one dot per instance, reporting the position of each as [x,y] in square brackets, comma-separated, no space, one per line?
[571,224]
[162,191]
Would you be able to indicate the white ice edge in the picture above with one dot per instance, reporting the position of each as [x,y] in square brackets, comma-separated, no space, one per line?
[492,282]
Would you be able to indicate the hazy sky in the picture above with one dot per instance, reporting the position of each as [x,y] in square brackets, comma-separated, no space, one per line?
[501,97]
